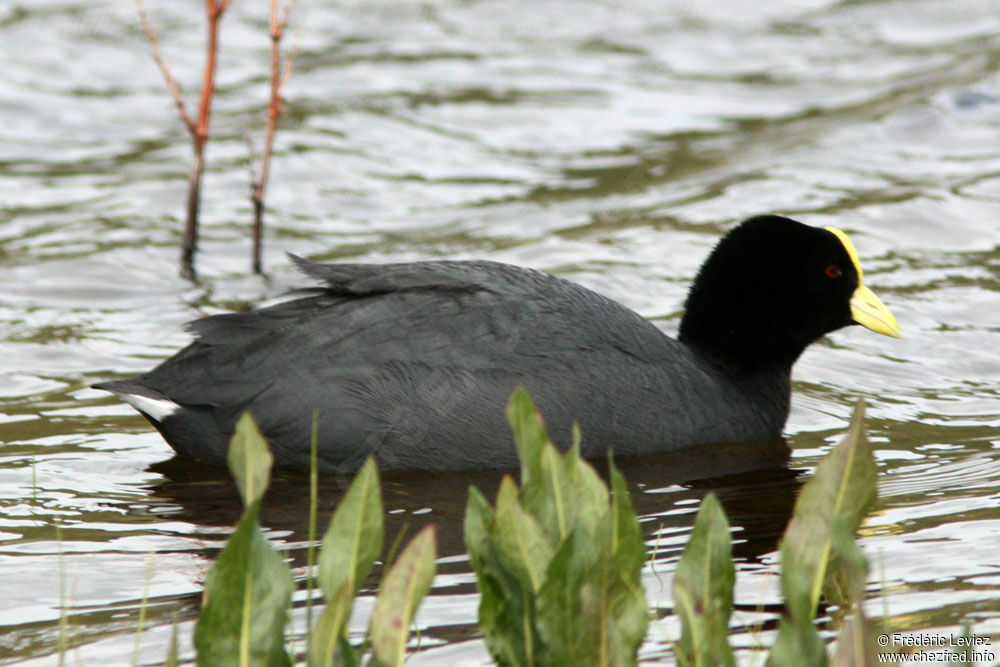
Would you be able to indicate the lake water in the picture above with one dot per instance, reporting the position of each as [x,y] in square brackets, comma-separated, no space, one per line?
[610,142]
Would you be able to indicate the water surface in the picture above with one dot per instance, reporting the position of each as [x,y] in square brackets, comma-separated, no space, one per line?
[610,143]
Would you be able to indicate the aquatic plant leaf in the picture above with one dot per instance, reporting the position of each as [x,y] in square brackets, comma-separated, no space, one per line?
[311,529]
[628,613]
[549,496]
[476,528]
[354,537]
[625,618]
[172,659]
[588,612]
[797,643]
[520,539]
[546,489]
[845,587]
[557,562]
[848,569]
[818,554]
[589,491]
[628,547]
[529,434]
[249,460]
[592,608]
[842,488]
[245,602]
[403,588]
[502,598]
[351,544]
[328,644]
[856,640]
[569,638]
[506,621]
[703,589]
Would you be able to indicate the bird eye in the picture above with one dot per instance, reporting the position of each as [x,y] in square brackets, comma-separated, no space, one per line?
[833,271]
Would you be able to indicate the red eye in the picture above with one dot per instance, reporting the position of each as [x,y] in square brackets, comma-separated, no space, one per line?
[833,271]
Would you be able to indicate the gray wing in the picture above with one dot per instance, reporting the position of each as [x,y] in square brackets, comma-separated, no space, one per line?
[409,360]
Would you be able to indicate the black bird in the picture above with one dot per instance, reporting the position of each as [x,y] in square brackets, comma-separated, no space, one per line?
[414,362]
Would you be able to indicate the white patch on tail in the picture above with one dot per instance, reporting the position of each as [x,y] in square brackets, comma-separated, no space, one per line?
[157,408]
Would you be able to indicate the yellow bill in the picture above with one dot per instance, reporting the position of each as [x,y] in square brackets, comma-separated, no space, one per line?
[869,311]
[866,308]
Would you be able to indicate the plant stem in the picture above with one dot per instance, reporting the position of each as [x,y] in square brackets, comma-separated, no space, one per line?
[142,611]
[274,109]
[313,509]
[214,10]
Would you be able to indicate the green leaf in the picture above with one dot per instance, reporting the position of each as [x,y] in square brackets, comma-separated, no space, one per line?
[520,539]
[588,612]
[505,620]
[843,488]
[963,659]
[557,562]
[245,603]
[328,644]
[351,544]
[249,460]
[570,637]
[549,498]
[172,660]
[502,599]
[354,538]
[311,530]
[402,589]
[848,570]
[797,643]
[529,434]
[628,613]
[818,554]
[589,492]
[703,589]
[626,617]
[856,641]
[846,588]
[628,547]
[592,607]
[546,490]
[476,528]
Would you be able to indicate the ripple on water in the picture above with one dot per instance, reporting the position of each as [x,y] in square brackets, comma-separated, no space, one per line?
[612,144]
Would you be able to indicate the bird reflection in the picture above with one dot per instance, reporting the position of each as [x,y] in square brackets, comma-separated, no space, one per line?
[752,481]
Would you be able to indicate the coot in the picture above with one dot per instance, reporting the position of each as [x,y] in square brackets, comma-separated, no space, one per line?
[414,362]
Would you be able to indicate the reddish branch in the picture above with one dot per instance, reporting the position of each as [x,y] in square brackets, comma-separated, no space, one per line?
[175,89]
[274,109]
[198,129]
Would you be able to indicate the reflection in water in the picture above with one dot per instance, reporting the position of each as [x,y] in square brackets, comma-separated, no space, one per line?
[751,480]
[611,145]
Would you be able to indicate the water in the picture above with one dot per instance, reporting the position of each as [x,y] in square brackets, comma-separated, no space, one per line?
[612,143]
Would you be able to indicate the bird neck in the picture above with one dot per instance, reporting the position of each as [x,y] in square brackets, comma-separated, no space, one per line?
[742,348]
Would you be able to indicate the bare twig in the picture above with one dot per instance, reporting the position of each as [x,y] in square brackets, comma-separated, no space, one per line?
[213,10]
[286,72]
[274,109]
[172,85]
[198,129]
